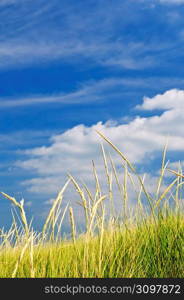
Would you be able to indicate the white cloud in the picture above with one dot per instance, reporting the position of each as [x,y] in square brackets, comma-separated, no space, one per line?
[73,150]
[173,99]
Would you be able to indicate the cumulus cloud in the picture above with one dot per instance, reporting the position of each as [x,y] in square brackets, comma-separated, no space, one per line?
[73,150]
[173,99]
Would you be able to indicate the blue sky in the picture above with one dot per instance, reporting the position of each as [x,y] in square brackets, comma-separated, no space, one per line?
[70,67]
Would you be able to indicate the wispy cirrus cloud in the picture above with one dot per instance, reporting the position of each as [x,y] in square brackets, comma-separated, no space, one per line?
[36,32]
[126,55]
[89,92]
[98,91]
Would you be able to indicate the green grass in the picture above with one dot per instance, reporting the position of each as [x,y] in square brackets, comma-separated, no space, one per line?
[146,240]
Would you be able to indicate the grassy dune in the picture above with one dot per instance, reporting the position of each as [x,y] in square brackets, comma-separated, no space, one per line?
[147,250]
[147,241]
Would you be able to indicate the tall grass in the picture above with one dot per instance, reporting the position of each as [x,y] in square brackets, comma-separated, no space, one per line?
[144,239]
